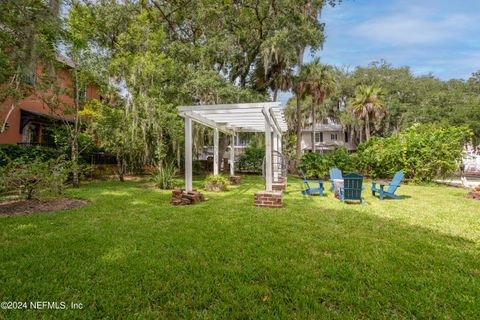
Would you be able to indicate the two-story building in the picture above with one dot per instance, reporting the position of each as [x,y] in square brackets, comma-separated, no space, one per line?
[28,121]
[329,134]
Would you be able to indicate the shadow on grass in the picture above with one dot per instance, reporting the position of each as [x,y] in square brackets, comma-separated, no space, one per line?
[223,259]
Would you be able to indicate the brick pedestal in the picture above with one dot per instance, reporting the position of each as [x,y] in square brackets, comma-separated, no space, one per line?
[234,180]
[268,199]
[279,186]
[475,194]
[180,197]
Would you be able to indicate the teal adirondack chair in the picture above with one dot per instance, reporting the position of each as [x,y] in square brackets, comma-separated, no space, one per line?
[309,190]
[335,173]
[392,186]
[352,187]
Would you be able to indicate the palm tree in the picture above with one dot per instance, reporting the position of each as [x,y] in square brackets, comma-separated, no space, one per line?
[367,105]
[299,88]
[320,85]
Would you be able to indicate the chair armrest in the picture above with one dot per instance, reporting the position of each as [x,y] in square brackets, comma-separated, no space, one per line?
[381,183]
[314,181]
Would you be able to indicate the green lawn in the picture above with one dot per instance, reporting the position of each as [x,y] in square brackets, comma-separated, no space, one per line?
[130,254]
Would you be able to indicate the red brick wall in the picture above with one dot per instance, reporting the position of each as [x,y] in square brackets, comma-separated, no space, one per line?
[34,103]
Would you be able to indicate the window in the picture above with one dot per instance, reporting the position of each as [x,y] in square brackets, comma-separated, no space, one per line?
[346,137]
[333,137]
[318,137]
[82,93]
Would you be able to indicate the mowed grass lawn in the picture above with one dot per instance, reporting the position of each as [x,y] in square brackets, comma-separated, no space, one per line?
[130,254]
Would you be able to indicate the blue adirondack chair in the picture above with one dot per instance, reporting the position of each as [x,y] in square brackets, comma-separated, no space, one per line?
[392,186]
[309,190]
[335,174]
[352,187]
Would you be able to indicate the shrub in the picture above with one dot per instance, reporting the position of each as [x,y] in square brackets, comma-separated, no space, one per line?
[316,165]
[252,159]
[216,183]
[164,178]
[11,152]
[422,152]
[29,177]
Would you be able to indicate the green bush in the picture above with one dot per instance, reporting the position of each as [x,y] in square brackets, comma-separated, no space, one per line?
[422,152]
[164,178]
[29,177]
[316,165]
[11,152]
[252,159]
[216,183]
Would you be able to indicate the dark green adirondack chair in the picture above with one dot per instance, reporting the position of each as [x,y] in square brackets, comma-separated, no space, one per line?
[392,186]
[352,187]
[335,174]
[309,190]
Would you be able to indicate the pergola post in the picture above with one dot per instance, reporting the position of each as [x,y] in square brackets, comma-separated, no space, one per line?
[215,151]
[232,155]
[188,154]
[274,156]
[268,155]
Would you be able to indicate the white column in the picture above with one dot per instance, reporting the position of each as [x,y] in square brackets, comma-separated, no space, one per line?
[275,142]
[279,144]
[268,156]
[188,154]
[215,151]
[232,155]
[274,156]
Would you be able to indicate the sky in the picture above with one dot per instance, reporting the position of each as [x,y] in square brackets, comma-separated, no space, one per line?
[441,37]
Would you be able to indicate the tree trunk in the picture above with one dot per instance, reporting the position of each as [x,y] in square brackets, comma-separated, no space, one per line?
[74,156]
[74,135]
[367,126]
[313,129]
[121,168]
[222,146]
[298,151]
[275,95]
[352,136]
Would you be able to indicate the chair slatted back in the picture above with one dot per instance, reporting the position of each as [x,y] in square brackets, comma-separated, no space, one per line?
[304,178]
[352,185]
[335,173]
[397,179]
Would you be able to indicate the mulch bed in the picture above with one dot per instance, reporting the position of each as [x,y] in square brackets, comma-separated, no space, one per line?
[23,207]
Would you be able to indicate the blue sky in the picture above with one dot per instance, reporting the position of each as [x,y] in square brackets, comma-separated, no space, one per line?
[441,37]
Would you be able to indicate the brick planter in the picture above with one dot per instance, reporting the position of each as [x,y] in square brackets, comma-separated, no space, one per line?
[268,199]
[475,194]
[181,198]
[234,180]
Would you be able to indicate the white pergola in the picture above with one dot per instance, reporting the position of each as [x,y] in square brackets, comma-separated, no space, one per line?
[267,117]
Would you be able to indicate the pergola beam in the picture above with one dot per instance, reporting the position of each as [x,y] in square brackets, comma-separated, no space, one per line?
[271,123]
[235,106]
[209,123]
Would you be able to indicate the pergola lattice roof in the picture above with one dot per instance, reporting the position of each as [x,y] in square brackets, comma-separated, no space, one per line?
[243,117]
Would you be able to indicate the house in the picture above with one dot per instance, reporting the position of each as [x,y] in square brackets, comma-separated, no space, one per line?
[29,121]
[329,134]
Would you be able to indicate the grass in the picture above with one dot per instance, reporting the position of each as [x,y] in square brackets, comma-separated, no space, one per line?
[129,254]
